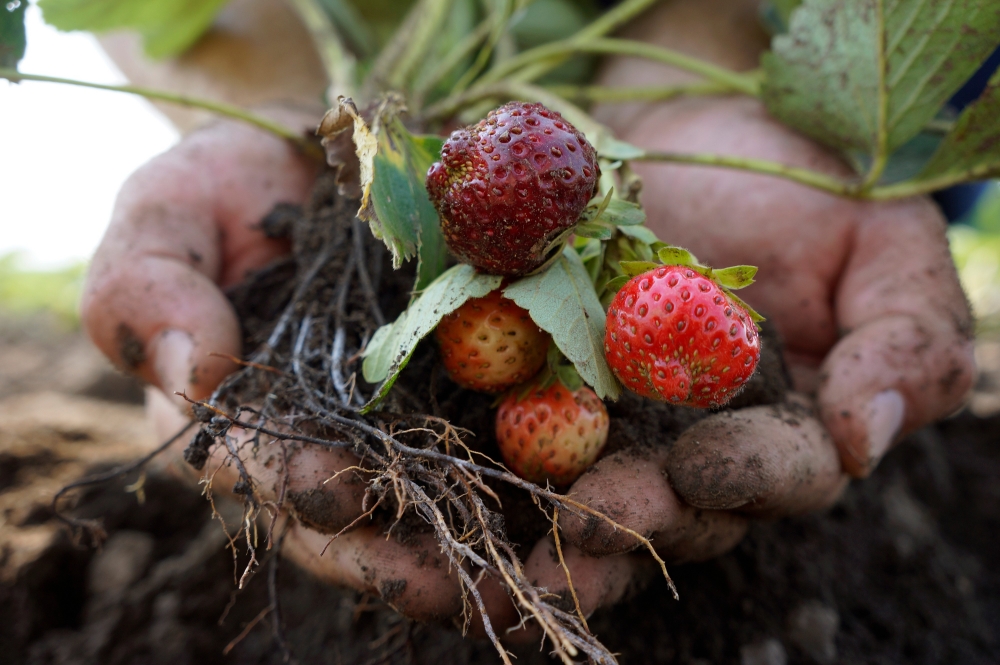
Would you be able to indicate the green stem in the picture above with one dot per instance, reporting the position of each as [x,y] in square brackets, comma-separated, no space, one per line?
[432,14]
[339,63]
[460,52]
[604,24]
[734,81]
[802,176]
[218,108]
[916,187]
[597,133]
[499,20]
[612,95]
[881,156]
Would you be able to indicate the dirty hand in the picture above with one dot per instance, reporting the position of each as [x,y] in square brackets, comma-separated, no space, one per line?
[185,227]
[877,334]
[865,295]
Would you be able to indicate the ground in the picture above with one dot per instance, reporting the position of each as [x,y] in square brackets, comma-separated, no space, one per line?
[902,570]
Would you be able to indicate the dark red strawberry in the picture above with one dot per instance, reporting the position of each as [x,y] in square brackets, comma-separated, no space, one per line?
[509,186]
[490,344]
[553,434]
[675,335]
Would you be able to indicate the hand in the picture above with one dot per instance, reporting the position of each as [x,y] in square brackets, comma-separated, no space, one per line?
[877,333]
[184,227]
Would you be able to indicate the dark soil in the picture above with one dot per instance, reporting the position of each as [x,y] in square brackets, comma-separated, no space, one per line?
[897,572]
[903,570]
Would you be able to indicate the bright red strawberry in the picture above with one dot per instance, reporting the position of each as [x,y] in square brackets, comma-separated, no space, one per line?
[553,434]
[490,344]
[674,335]
[508,186]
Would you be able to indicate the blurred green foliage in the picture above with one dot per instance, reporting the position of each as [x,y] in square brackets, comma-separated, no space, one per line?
[24,291]
[976,248]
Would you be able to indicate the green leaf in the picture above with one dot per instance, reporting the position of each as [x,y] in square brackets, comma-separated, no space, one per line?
[735,277]
[12,38]
[569,377]
[676,256]
[623,213]
[599,231]
[615,284]
[974,143]
[562,301]
[399,193]
[868,75]
[595,210]
[168,27]
[351,24]
[640,233]
[614,212]
[633,268]
[392,345]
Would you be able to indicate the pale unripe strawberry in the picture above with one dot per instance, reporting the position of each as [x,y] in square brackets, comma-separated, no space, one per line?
[490,344]
[553,434]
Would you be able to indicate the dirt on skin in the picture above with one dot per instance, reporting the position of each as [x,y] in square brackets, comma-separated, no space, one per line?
[899,571]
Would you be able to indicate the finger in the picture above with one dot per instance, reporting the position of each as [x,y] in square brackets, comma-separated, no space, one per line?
[413,577]
[500,608]
[598,581]
[184,224]
[768,461]
[906,359]
[321,486]
[631,488]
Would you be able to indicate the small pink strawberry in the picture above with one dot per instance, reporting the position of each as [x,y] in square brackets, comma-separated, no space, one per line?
[509,186]
[490,344]
[675,335]
[553,434]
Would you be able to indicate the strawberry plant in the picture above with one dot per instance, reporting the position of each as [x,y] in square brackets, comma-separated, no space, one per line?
[534,210]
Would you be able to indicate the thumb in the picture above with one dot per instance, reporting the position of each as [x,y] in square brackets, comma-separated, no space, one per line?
[161,319]
[184,223]
[907,358]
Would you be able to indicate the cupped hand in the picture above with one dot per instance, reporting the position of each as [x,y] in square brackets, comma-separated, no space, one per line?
[877,337]
[185,226]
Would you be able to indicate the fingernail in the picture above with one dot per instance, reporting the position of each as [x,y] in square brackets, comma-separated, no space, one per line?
[885,417]
[173,361]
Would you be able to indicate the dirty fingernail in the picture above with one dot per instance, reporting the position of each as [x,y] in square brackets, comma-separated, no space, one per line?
[173,361]
[885,417]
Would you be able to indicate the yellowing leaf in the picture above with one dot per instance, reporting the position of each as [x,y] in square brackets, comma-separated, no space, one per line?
[338,119]
[393,168]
